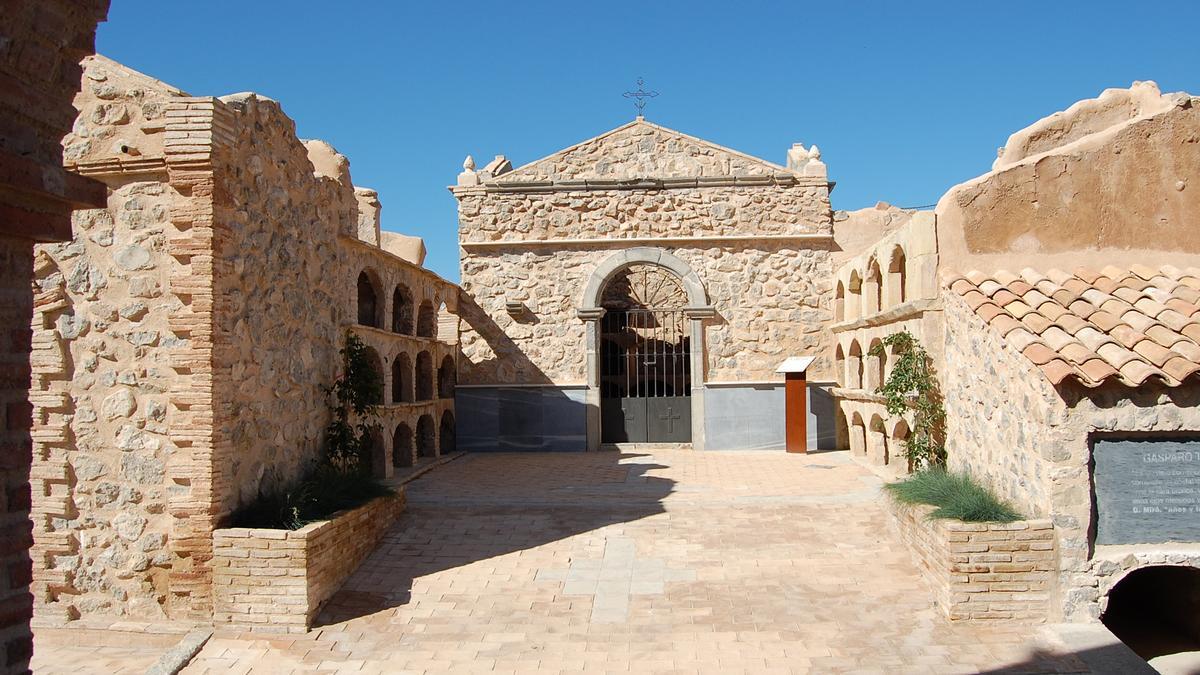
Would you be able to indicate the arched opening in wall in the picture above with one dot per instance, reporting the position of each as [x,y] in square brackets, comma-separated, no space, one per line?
[375,453]
[426,437]
[426,320]
[876,362]
[402,446]
[447,325]
[897,278]
[854,366]
[877,445]
[853,297]
[872,289]
[402,310]
[897,445]
[839,302]
[839,366]
[424,377]
[446,378]
[402,379]
[841,428]
[377,365]
[446,440]
[1156,611]
[858,435]
[370,310]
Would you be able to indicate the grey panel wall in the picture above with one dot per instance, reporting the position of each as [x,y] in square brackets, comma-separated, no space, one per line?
[751,417]
[515,419]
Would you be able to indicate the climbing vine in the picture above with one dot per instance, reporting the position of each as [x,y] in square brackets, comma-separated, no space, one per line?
[913,388]
[354,398]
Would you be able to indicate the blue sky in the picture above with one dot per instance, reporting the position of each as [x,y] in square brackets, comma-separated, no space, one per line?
[904,99]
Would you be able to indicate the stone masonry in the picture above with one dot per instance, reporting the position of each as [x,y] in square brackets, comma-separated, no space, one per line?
[184,338]
[41,44]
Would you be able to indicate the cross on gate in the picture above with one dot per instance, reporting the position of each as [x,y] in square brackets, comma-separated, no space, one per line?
[669,419]
[639,97]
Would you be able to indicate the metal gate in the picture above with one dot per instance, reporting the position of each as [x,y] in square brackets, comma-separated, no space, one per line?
[645,377]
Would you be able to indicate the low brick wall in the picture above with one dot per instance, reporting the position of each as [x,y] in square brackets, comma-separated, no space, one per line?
[993,571]
[277,580]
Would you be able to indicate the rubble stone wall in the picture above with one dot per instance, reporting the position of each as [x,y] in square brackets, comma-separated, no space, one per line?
[773,300]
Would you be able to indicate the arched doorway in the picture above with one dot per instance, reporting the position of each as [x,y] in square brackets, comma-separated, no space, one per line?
[645,310]
[446,441]
[426,437]
[402,447]
[645,358]
[1156,611]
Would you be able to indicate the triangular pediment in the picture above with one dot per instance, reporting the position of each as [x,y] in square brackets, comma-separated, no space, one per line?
[641,150]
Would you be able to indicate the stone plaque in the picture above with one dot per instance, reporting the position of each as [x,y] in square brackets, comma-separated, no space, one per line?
[1147,490]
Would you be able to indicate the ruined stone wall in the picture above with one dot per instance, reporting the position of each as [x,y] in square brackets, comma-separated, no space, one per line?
[278,306]
[41,44]
[772,301]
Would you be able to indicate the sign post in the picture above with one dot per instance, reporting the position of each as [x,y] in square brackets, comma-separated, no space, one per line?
[795,402]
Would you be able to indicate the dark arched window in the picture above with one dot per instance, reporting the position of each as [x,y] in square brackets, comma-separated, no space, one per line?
[446,378]
[402,379]
[426,437]
[402,446]
[424,376]
[426,320]
[446,433]
[402,310]
[368,301]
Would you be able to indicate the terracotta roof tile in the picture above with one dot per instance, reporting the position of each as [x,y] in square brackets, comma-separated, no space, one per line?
[1123,325]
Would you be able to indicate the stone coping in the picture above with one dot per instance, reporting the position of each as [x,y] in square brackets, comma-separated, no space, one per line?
[906,310]
[648,241]
[982,571]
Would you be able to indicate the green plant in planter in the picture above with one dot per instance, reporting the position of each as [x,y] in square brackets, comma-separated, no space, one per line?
[355,397]
[913,388]
[955,495]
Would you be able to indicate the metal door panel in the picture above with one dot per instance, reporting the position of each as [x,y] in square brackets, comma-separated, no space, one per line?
[669,419]
[623,420]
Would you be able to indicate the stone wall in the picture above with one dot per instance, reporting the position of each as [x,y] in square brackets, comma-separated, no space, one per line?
[41,44]
[772,301]
[183,340]
[982,571]
[275,581]
[1032,444]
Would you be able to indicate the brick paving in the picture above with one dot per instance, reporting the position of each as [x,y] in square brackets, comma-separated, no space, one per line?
[674,561]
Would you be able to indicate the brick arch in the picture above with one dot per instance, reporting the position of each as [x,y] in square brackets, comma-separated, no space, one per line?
[872,292]
[875,364]
[858,434]
[839,302]
[376,364]
[854,365]
[877,445]
[852,308]
[692,285]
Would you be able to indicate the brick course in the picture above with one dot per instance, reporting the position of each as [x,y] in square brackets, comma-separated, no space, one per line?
[982,571]
[276,580]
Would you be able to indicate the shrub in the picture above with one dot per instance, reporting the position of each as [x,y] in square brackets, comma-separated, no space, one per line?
[912,387]
[956,495]
[324,492]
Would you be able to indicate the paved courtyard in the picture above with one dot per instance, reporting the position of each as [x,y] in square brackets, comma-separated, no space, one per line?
[674,561]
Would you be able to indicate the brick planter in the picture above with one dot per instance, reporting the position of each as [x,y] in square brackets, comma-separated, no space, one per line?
[982,571]
[276,580]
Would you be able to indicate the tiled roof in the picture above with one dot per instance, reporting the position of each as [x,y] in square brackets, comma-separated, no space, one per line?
[1131,326]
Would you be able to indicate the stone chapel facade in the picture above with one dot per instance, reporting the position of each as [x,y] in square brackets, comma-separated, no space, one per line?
[641,286]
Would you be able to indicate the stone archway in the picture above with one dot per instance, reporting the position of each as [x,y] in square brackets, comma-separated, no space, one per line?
[694,309]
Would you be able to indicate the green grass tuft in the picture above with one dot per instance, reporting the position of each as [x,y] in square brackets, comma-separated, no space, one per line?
[955,495]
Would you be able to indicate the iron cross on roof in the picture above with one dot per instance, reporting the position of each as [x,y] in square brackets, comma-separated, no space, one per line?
[639,97]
